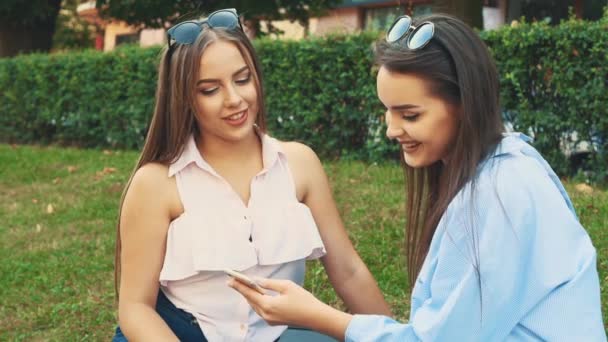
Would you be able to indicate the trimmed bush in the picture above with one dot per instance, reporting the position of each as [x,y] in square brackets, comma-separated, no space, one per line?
[554,83]
[86,99]
[321,91]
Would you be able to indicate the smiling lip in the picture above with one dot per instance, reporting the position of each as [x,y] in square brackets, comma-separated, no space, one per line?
[237,118]
[409,146]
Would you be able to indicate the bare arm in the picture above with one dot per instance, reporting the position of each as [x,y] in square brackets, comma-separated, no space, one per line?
[144,222]
[348,274]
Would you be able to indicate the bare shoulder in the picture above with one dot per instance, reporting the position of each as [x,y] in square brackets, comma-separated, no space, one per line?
[299,154]
[305,166]
[152,186]
[151,173]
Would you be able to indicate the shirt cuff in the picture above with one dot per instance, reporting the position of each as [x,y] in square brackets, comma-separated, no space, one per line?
[360,325]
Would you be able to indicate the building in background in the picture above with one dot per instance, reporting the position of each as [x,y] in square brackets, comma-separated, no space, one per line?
[111,33]
[356,15]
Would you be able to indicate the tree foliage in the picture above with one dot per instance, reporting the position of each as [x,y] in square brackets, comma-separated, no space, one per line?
[18,13]
[164,13]
[27,26]
[469,11]
[73,32]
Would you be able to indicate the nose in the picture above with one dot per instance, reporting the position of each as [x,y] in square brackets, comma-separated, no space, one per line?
[232,97]
[393,130]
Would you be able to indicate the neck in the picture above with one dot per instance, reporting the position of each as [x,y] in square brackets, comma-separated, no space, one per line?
[224,150]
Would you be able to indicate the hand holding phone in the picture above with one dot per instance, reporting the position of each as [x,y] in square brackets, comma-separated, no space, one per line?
[245,280]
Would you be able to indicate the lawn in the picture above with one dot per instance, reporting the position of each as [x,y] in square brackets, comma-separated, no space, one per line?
[57,229]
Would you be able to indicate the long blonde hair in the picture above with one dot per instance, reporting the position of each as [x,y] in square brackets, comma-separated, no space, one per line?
[174,118]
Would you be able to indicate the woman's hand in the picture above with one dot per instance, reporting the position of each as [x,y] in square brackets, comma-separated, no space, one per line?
[292,305]
[289,305]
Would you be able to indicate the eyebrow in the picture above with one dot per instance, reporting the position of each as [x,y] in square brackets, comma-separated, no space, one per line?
[403,107]
[210,80]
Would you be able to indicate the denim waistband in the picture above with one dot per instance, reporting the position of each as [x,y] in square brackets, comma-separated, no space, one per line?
[182,323]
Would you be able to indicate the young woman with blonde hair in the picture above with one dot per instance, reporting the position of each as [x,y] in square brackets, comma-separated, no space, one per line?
[212,190]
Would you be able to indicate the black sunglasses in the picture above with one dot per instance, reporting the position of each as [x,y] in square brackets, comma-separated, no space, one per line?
[417,37]
[186,32]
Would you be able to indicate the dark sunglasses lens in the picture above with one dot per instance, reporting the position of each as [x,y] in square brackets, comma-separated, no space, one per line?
[421,36]
[399,28]
[225,19]
[185,33]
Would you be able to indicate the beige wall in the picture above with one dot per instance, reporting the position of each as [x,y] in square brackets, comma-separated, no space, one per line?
[152,37]
[147,37]
[114,29]
[339,20]
[292,30]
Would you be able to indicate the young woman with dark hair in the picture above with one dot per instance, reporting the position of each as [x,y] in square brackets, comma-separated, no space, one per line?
[494,248]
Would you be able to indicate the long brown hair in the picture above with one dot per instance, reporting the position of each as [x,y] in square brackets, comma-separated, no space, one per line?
[174,117]
[459,69]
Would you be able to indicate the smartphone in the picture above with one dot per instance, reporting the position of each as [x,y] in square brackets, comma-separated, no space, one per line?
[245,280]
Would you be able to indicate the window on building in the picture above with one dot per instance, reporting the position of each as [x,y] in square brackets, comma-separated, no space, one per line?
[380,18]
[130,38]
[422,10]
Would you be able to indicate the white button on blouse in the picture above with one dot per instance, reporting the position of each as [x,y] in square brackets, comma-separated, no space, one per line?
[270,238]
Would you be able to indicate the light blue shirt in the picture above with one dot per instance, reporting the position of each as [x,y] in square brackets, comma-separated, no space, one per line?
[520,233]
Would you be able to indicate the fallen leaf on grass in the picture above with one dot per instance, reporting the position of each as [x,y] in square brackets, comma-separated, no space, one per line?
[72,168]
[584,188]
[57,180]
[50,209]
[38,228]
[34,200]
[105,171]
[593,208]
[115,188]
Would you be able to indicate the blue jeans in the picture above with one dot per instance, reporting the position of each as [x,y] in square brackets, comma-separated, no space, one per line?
[183,324]
[186,328]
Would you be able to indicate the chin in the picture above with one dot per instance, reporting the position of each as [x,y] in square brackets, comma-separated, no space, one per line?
[243,133]
[415,163]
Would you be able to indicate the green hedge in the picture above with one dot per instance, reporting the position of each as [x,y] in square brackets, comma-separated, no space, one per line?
[320,91]
[554,83]
[86,99]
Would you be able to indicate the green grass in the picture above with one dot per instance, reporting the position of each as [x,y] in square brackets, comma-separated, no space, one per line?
[56,280]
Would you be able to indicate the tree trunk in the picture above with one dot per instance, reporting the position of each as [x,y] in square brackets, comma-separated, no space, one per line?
[469,11]
[36,36]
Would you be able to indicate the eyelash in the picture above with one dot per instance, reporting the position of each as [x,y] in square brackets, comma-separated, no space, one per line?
[241,81]
[244,80]
[208,91]
[409,116]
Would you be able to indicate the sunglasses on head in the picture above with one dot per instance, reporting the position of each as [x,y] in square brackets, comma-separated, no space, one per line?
[413,37]
[186,32]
